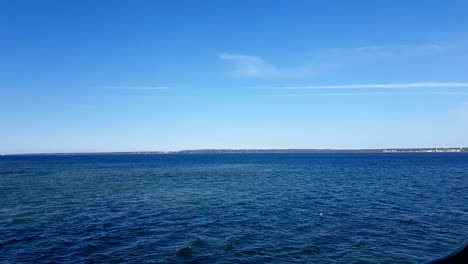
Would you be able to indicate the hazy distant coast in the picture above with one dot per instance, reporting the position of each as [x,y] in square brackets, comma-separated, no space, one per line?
[394,150]
[266,151]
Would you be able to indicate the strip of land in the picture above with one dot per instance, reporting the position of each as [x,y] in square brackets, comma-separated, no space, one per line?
[266,151]
[415,150]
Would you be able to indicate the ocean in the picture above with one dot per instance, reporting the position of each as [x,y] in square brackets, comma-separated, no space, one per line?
[233,208]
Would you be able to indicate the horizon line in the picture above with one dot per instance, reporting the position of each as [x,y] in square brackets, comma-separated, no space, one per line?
[230,149]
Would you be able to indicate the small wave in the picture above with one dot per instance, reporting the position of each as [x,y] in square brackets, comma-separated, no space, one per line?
[20,221]
[232,242]
[311,250]
[189,249]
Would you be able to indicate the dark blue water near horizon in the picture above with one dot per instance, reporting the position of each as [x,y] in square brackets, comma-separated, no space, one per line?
[232,208]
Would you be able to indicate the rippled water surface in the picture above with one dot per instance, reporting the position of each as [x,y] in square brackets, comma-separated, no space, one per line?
[233,208]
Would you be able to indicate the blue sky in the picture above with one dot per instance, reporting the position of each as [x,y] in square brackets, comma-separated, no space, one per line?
[85,76]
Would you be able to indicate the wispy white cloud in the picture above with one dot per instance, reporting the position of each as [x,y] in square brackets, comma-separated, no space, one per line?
[376,86]
[324,60]
[250,66]
[139,88]
[254,66]
[449,93]
[323,94]
[362,93]
[453,47]
[390,51]
[82,106]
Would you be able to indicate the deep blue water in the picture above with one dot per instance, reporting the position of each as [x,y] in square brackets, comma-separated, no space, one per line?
[233,208]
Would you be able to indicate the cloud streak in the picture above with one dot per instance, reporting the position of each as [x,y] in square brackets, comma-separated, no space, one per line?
[253,66]
[371,53]
[139,88]
[375,86]
[250,66]
[364,93]
[326,59]
[324,94]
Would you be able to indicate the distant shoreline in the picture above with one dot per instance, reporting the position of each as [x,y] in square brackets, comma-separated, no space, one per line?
[263,151]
